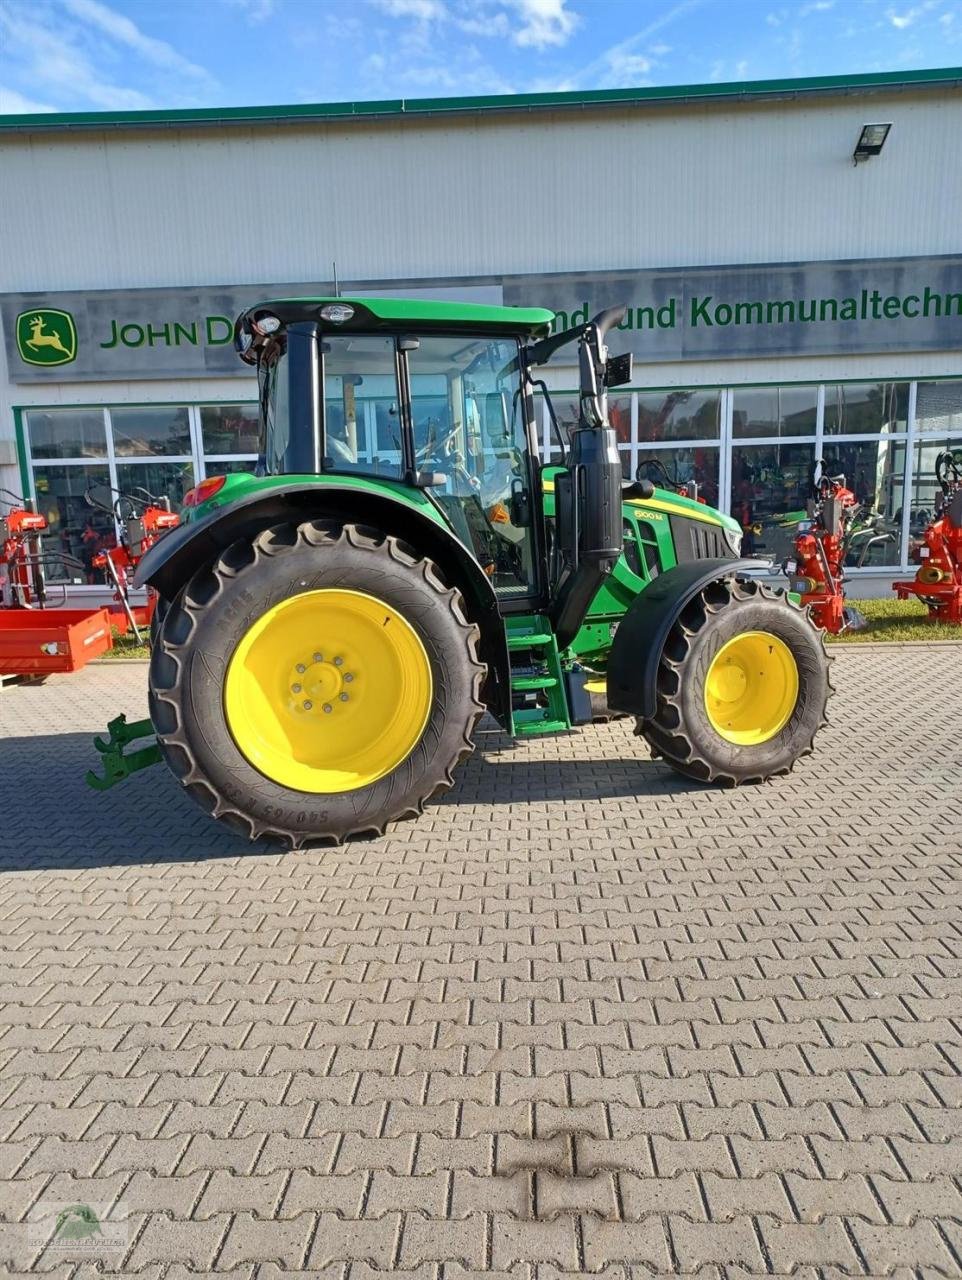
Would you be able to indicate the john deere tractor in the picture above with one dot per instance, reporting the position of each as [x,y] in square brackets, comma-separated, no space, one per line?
[333,626]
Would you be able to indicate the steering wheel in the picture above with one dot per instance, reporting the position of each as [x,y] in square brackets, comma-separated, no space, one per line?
[948,470]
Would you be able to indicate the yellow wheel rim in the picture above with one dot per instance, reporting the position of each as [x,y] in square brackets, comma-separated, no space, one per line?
[751,688]
[328,691]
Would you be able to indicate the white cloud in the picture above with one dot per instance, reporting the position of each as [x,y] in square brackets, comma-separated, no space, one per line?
[121,30]
[624,63]
[544,22]
[529,24]
[902,20]
[256,10]
[49,58]
[818,6]
[15,104]
[420,10]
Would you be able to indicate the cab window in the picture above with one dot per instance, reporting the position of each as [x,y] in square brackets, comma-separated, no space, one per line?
[362,422]
[469,434]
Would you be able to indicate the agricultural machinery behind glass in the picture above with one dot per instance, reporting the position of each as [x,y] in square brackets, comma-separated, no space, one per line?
[142,518]
[654,469]
[333,628]
[36,640]
[938,582]
[837,531]
[21,563]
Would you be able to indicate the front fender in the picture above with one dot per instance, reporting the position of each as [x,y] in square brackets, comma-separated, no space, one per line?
[181,552]
[637,647]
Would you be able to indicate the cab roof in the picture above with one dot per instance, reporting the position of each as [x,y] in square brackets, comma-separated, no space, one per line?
[425,314]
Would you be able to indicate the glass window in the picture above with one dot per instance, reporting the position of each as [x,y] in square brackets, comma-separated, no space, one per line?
[362,426]
[76,531]
[770,488]
[873,470]
[67,433]
[774,411]
[228,466]
[679,415]
[161,429]
[677,467]
[619,415]
[467,411]
[275,397]
[230,428]
[924,486]
[157,479]
[856,408]
[938,407]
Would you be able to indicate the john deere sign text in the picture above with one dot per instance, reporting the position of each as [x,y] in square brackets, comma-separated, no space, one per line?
[731,312]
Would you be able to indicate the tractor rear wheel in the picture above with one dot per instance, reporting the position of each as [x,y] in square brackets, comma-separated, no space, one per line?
[316,684]
[742,686]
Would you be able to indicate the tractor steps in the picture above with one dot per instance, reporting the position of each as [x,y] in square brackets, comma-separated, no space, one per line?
[539,702]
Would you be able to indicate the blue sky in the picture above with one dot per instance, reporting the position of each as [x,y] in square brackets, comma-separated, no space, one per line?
[111,55]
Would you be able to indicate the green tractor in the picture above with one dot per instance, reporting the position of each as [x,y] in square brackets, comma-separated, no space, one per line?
[332,628]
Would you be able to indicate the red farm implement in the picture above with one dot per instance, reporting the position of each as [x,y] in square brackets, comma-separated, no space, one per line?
[938,581]
[835,527]
[141,518]
[37,641]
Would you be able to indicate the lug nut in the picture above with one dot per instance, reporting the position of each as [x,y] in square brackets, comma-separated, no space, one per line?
[300,668]
[338,662]
[295,688]
[344,697]
[308,705]
[348,678]
[328,707]
[318,657]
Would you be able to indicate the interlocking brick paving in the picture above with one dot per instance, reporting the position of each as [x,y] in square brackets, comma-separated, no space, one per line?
[582,1017]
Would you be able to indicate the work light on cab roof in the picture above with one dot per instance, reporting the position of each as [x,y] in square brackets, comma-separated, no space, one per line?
[405,558]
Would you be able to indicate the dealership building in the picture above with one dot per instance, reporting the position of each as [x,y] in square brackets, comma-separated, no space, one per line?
[793,279]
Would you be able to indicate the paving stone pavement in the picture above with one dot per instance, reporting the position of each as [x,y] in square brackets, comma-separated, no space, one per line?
[582,1017]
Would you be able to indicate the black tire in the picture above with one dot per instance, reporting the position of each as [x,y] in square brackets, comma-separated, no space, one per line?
[157,620]
[681,733]
[215,610]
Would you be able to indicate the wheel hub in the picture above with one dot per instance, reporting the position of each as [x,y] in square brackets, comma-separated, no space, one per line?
[751,688]
[328,691]
[319,685]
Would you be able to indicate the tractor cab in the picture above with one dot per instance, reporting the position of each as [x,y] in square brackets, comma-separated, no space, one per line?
[440,406]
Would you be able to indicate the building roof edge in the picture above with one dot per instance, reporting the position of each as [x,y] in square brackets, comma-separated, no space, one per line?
[419,108]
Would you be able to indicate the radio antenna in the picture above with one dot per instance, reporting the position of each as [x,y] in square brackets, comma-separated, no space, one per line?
[337,291]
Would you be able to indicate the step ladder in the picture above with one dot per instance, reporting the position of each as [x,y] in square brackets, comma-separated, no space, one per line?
[536,669]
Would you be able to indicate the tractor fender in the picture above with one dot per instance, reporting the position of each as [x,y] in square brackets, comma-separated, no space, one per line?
[177,556]
[638,643]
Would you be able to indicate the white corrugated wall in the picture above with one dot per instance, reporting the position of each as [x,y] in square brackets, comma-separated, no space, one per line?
[665,186]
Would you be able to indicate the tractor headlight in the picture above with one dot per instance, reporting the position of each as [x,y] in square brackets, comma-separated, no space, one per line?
[734,539]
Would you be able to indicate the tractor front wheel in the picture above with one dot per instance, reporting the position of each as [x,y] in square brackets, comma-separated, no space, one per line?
[316,683]
[742,686]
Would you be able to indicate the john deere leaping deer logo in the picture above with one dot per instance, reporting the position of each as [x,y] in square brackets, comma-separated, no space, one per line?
[46,337]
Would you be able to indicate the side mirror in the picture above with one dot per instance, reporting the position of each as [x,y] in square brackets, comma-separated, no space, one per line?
[618,370]
[520,505]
